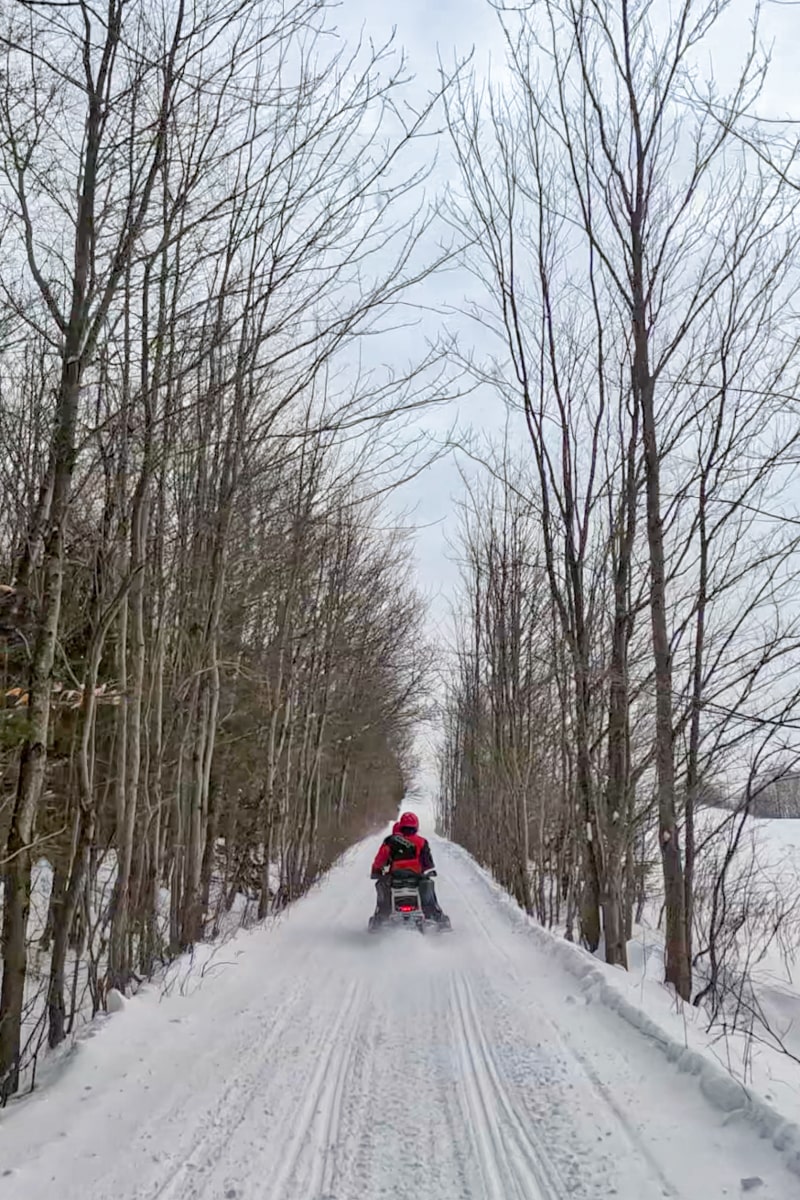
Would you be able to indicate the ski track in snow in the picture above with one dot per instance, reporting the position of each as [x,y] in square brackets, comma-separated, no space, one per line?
[325,1064]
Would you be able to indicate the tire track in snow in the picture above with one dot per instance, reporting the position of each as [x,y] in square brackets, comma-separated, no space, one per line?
[606,1099]
[513,1163]
[314,1127]
[229,1107]
[341,1097]
[342,1174]
[558,1038]
[403,1135]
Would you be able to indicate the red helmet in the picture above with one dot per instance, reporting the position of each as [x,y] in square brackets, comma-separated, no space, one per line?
[410,821]
[396,827]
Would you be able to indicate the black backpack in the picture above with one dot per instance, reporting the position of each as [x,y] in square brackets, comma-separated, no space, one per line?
[400,847]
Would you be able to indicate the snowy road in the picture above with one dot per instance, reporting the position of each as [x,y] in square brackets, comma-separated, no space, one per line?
[317,1063]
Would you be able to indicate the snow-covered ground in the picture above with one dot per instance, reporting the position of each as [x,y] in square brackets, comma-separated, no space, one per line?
[81,971]
[313,1062]
[757,1039]
[777,976]
[86,972]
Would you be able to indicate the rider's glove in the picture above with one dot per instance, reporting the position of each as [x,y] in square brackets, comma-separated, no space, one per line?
[430,873]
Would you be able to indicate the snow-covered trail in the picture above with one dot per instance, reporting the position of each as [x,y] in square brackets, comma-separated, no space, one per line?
[318,1063]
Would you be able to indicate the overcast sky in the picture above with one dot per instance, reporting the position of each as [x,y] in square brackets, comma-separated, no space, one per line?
[451,28]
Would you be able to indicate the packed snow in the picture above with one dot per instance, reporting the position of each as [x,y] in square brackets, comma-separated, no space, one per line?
[308,1060]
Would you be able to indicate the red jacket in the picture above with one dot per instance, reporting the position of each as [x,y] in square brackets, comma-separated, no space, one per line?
[403,852]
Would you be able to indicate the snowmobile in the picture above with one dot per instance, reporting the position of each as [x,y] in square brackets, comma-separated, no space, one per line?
[406,910]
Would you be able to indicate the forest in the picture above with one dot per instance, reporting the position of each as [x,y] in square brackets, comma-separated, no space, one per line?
[214,655]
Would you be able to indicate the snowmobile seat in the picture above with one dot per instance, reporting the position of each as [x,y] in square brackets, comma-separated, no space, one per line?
[405,878]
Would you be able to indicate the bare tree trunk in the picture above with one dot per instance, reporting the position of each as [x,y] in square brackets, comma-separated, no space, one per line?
[57,893]
[79,328]
[619,809]
[125,818]
[86,825]
[17,881]
[678,966]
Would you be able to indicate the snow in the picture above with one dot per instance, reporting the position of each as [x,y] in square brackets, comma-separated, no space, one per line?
[36,1060]
[759,1047]
[223,922]
[665,1022]
[306,1060]
[115,1001]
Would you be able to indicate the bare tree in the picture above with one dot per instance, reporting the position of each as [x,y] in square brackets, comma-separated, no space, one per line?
[245,225]
[77,310]
[593,164]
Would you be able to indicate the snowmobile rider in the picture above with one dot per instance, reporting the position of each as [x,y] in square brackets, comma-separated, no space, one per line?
[406,850]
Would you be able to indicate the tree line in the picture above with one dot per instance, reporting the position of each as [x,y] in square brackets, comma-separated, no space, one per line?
[210,643]
[628,617]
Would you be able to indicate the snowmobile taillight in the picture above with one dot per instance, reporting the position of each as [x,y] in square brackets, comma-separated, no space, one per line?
[406,907]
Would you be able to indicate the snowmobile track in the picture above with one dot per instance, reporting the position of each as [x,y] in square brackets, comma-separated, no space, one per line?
[512,1161]
[323,1064]
[231,1105]
[318,1121]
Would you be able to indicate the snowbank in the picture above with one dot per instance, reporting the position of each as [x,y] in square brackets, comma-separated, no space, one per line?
[85,972]
[599,983]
